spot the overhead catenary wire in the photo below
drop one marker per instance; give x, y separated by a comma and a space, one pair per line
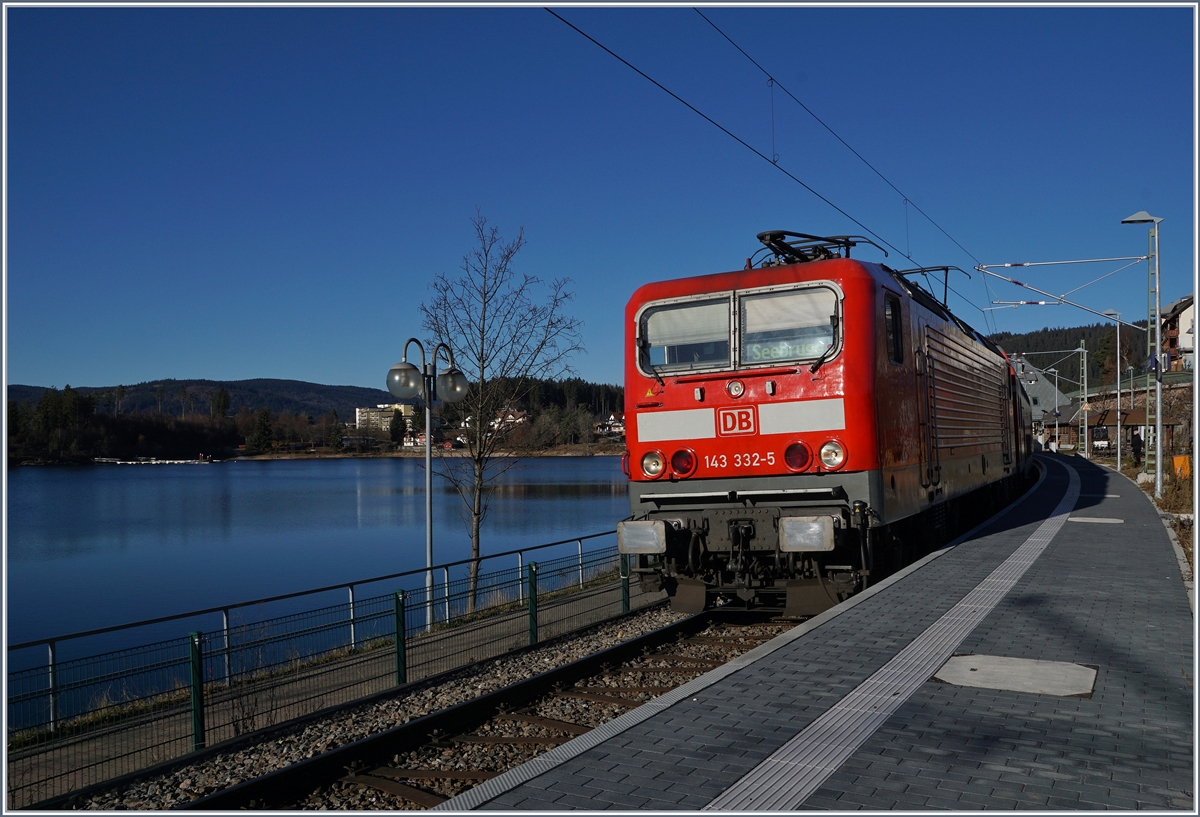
741, 141
1058, 298
875, 170
1102, 277
719, 126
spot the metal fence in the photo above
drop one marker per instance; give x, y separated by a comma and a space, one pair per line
76, 722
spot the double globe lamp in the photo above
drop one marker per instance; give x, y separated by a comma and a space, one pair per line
405, 381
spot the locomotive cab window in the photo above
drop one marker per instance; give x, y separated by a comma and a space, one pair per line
798, 324
893, 327
686, 336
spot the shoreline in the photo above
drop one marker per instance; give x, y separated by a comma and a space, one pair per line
564, 451
569, 451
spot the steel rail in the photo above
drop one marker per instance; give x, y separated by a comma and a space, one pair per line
281, 788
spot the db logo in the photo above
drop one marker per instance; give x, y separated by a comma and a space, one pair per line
732, 422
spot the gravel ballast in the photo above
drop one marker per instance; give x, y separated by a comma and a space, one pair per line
281, 749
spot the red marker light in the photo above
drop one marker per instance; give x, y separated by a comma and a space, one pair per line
797, 457
683, 462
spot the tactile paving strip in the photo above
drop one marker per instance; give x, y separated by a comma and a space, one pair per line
798, 768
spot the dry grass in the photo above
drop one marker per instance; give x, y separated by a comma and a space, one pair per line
1177, 500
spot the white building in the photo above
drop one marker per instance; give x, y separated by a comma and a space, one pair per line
379, 418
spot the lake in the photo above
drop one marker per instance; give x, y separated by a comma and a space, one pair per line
96, 546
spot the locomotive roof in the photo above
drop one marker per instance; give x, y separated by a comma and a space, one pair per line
832, 268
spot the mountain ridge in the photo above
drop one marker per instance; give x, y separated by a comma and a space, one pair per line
276, 394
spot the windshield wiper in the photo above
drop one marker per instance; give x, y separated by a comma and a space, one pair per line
657, 376
828, 353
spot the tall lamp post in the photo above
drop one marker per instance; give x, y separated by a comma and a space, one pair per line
1130, 370
405, 381
1114, 314
1142, 217
1056, 441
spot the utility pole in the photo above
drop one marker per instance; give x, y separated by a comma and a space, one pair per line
1083, 405
1153, 343
1151, 356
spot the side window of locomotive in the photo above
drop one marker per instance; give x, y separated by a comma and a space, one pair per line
782, 326
681, 337
894, 328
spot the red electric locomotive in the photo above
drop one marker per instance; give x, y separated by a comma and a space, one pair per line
801, 424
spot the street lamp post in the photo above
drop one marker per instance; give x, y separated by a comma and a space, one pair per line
1130, 370
1056, 441
1114, 314
1142, 217
405, 382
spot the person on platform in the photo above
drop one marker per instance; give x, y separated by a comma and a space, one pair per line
1137, 449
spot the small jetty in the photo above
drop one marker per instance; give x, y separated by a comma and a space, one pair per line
202, 459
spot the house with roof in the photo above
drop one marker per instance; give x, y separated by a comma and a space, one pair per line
1046, 401
1178, 333
612, 426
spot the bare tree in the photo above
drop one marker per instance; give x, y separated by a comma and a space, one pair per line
507, 330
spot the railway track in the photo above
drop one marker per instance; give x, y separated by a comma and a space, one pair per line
428, 760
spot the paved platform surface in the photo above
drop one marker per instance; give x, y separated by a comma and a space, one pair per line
843, 712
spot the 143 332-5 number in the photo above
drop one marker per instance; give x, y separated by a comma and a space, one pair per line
751, 460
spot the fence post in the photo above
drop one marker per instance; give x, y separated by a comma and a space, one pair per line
353, 636
446, 590
531, 592
579, 542
401, 657
520, 584
197, 661
53, 688
624, 583
225, 631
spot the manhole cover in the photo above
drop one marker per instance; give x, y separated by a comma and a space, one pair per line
1018, 675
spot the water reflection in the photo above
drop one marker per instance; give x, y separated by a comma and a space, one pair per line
92, 547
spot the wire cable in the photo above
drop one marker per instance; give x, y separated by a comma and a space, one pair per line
755, 150
720, 127
1101, 278
836, 136
875, 170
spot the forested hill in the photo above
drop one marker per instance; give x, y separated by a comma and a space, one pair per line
179, 397
189, 397
1051, 348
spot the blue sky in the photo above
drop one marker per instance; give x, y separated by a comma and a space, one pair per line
230, 193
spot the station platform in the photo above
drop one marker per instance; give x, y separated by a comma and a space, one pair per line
1045, 661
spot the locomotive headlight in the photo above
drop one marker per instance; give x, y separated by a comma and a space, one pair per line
832, 454
642, 537
652, 464
736, 388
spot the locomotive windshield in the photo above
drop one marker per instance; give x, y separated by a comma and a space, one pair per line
774, 326
681, 337
785, 326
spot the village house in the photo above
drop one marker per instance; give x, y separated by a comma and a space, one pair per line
613, 426
1178, 333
